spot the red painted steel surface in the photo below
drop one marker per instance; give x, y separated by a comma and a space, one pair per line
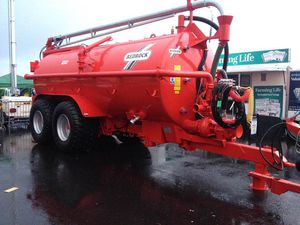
292, 126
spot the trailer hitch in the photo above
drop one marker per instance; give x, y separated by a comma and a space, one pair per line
276, 185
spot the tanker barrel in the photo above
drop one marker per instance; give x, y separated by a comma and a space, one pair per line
148, 17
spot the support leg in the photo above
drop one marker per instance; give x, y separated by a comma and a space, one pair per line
257, 183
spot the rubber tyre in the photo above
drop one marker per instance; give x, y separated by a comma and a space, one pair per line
46, 110
82, 131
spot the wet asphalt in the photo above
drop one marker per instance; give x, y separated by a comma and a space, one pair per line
129, 184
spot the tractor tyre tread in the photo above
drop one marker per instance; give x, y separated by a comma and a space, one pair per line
83, 134
46, 108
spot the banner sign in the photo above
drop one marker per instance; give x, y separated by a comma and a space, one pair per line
294, 92
257, 57
268, 100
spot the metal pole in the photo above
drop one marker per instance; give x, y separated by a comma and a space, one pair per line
115, 30
130, 22
12, 46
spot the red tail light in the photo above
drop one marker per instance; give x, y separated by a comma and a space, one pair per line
12, 110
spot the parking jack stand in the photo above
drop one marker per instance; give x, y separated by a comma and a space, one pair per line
257, 183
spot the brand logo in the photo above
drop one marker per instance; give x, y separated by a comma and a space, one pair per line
133, 57
137, 56
274, 56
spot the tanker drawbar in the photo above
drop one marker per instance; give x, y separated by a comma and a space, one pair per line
159, 89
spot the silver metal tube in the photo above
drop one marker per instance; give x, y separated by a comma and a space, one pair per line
116, 30
134, 120
195, 5
12, 46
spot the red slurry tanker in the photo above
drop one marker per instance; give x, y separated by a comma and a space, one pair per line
159, 89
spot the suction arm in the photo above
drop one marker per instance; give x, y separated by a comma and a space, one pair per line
129, 23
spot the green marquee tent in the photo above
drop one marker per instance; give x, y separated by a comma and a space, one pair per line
21, 82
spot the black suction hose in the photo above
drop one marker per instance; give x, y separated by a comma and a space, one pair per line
223, 73
216, 27
203, 60
215, 63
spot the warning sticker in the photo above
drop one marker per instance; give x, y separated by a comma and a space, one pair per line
177, 80
177, 67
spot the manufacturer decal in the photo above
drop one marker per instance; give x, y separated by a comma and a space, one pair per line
137, 56
174, 51
133, 57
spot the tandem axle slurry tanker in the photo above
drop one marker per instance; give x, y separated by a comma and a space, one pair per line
159, 89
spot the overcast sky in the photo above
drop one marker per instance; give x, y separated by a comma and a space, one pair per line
257, 24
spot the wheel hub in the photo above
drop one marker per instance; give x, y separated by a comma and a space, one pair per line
63, 127
38, 122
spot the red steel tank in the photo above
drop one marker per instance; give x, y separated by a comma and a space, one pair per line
159, 89
121, 93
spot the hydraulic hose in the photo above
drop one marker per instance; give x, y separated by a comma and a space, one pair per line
216, 27
239, 106
223, 73
203, 60
219, 106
